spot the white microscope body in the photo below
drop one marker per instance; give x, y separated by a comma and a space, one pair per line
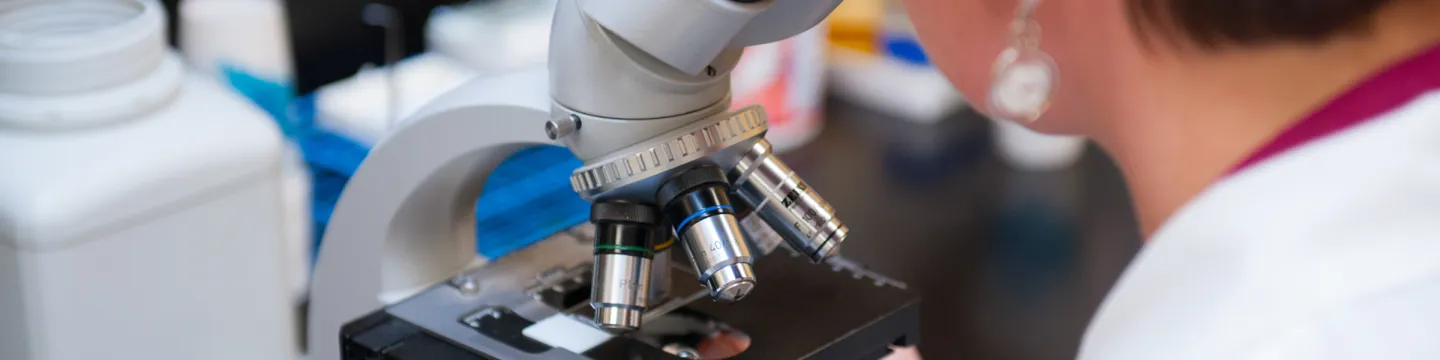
637, 89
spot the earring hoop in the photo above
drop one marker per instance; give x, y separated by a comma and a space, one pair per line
1025, 77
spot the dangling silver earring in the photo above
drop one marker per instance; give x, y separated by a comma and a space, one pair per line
1024, 76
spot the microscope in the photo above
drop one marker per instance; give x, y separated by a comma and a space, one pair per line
638, 90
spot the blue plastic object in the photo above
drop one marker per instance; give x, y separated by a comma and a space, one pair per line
905, 47
527, 198
271, 96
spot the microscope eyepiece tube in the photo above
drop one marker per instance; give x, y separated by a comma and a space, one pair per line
804, 220
695, 202
624, 245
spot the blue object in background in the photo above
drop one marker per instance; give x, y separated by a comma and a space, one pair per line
905, 47
272, 96
527, 198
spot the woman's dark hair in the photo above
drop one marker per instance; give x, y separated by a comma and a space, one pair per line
1213, 24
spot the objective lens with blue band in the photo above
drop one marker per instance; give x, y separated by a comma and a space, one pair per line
717, 209
697, 202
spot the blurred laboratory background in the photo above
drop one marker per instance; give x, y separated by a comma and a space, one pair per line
1009, 238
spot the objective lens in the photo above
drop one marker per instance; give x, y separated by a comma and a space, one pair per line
624, 242
806, 222
704, 221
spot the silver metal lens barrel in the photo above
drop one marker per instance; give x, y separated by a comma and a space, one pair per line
802, 218
624, 244
718, 251
696, 203
621, 290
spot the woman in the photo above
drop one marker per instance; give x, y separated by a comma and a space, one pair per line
1283, 156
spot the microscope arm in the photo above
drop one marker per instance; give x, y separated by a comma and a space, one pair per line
406, 219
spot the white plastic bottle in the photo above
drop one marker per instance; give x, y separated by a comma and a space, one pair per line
139, 202
480, 38
222, 37
249, 35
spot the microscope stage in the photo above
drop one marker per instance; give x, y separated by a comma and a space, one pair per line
799, 310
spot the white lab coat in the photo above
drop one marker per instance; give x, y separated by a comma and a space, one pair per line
1330, 250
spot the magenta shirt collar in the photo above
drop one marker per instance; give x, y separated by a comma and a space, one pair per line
1381, 93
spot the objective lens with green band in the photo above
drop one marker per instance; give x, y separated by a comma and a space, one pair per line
623, 248
625, 234
625, 228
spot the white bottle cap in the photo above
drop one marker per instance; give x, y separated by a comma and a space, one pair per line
82, 62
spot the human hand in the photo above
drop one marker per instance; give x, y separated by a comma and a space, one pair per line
903, 353
724, 345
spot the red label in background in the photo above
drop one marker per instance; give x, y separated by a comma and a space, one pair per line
788, 79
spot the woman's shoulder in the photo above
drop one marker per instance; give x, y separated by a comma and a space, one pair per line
1384, 172
1328, 225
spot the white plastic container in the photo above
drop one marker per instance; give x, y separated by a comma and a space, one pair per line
876, 63
365, 107
787, 77
896, 88
465, 41
253, 37
493, 36
1028, 150
139, 203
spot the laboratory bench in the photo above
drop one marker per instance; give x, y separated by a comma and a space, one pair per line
1008, 264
